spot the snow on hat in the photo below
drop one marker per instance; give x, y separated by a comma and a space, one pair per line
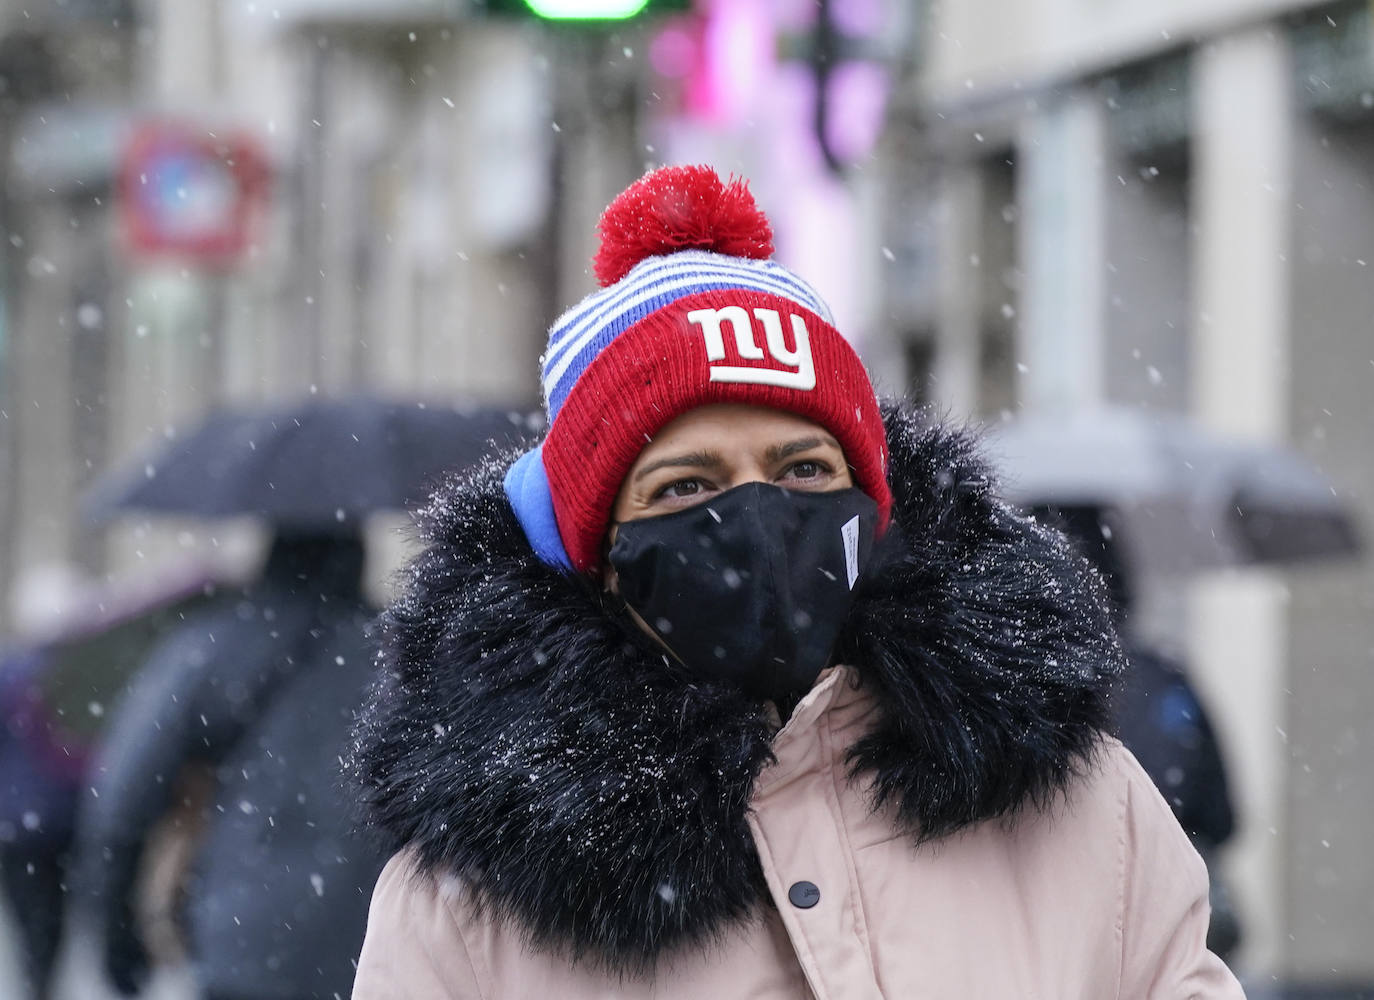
691, 312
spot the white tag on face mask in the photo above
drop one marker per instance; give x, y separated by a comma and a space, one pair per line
850, 534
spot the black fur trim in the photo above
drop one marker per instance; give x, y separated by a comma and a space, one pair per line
526, 737
988, 638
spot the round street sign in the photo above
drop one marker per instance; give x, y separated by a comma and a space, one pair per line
185, 191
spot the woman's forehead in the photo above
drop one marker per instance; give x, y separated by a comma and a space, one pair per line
733, 425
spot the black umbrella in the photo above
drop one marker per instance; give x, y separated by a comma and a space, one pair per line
1185, 499
320, 463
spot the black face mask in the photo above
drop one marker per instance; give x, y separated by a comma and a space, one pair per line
752, 586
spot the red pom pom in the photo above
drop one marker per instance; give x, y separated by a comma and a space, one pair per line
680, 208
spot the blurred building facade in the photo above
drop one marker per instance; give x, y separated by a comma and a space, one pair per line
1068, 202
1169, 205
398, 245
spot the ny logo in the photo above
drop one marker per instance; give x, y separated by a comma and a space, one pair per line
799, 358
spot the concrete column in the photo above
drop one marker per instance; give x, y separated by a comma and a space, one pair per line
186, 69
267, 72
871, 271
1330, 619
1241, 198
480, 313
358, 117
172, 365
1147, 267
1061, 246
418, 177
958, 331
41, 407
599, 153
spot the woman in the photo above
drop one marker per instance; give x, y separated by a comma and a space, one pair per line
736, 687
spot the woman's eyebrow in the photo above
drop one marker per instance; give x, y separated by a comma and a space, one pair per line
778, 452
691, 460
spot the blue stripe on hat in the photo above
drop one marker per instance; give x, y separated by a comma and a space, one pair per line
766, 275
651, 268
627, 308
527, 487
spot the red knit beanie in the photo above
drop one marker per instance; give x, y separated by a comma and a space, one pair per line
691, 312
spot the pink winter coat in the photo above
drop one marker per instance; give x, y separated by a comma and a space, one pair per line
576, 816
1100, 896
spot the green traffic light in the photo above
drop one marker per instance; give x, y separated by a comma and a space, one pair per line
586, 10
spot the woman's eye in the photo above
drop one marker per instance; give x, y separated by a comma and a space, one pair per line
805, 470
681, 488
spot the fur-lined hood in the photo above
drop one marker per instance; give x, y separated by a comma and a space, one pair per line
527, 737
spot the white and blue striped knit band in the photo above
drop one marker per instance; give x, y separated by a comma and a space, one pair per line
584, 331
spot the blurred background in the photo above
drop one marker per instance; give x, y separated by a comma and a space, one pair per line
1016, 209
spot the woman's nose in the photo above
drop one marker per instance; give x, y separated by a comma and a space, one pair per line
748, 475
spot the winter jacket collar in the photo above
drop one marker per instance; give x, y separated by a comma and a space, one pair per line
840, 698
528, 738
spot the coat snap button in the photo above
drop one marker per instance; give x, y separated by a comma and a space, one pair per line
804, 895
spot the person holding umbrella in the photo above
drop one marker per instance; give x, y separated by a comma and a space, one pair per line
740, 685
1149, 495
234, 727
1160, 716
